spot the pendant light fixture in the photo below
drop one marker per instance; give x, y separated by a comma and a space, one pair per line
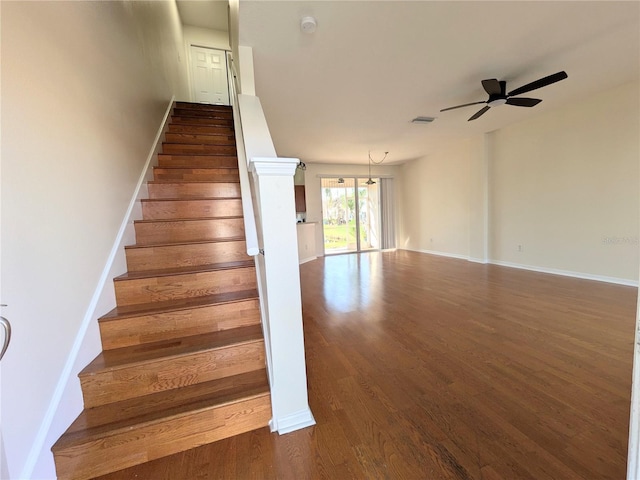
371, 160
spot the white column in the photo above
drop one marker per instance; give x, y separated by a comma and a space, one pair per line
289, 400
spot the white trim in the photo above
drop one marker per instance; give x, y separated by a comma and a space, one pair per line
439, 254
249, 219
90, 314
484, 261
532, 268
568, 273
274, 166
308, 259
292, 422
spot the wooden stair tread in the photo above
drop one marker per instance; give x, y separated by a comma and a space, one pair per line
122, 312
184, 127
170, 220
196, 167
198, 135
201, 106
196, 120
165, 272
110, 419
209, 114
178, 181
125, 357
190, 199
195, 242
195, 154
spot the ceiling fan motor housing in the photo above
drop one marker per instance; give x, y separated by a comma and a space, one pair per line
497, 99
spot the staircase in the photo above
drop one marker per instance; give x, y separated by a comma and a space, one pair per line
183, 360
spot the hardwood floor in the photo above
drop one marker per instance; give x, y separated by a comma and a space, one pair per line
435, 368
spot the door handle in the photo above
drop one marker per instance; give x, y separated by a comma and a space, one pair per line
7, 334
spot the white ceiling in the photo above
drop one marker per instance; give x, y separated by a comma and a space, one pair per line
204, 13
370, 67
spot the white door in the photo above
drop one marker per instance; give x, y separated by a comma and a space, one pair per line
209, 76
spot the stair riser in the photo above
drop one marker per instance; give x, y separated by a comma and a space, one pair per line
170, 287
198, 149
179, 112
171, 372
203, 106
182, 323
198, 177
149, 233
149, 442
195, 172
203, 130
141, 259
205, 161
191, 120
199, 139
179, 209
194, 190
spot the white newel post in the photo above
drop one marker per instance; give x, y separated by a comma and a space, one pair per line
289, 400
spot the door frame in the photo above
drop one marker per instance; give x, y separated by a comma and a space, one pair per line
189, 66
356, 178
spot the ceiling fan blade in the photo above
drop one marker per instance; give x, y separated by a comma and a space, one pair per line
460, 106
492, 86
543, 82
523, 102
479, 113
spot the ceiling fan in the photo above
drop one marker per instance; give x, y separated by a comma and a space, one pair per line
498, 96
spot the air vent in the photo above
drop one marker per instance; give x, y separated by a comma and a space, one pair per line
423, 120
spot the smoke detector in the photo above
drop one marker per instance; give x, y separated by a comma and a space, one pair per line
308, 24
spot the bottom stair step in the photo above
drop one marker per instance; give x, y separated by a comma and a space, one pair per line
119, 435
139, 370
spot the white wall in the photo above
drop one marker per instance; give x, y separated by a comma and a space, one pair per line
85, 86
436, 197
563, 185
315, 171
205, 37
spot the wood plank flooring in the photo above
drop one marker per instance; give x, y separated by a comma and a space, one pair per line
434, 368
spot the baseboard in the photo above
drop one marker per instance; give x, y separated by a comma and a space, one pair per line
103, 295
484, 261
567, 273
292, 422
308, 259
533, 268
439, 254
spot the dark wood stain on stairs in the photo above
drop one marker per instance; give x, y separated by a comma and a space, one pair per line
183, 360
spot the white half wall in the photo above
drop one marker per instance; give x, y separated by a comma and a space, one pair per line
85, 86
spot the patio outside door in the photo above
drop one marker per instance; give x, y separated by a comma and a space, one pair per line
350, 215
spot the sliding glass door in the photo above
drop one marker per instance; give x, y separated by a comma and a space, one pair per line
350, 215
